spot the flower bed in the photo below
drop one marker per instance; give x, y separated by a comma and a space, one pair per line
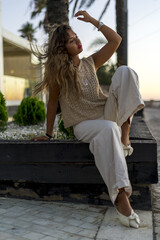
16, 132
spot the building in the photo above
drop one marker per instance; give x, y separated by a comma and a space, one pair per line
19, 68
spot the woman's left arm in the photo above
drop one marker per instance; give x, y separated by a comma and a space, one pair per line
113, 38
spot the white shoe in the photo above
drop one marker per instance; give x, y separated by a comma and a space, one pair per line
130, 221
128, 150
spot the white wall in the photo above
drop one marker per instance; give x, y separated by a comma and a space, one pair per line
1, 54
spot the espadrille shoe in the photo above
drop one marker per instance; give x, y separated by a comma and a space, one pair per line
130, 221
128, 150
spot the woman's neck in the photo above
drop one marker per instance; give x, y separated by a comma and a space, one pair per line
76, 60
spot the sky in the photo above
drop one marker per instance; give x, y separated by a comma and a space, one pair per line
143, 35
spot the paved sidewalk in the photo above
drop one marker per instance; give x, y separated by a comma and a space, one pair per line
152, 117
42, 220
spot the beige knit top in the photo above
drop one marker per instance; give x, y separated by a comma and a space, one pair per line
90, 104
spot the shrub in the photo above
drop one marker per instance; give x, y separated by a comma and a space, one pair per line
3, 111
66, 132
31, 111
105, 73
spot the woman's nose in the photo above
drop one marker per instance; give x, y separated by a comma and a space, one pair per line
78, 41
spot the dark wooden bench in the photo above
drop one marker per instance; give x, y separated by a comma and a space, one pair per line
68, 162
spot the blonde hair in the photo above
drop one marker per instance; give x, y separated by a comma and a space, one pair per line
58, 65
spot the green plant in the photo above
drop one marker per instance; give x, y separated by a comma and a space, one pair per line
30, 112
66, 132
105, 73
3, 111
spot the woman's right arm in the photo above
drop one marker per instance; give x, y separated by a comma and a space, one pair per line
51, 112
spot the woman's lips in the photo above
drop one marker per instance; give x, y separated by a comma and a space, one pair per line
79, 46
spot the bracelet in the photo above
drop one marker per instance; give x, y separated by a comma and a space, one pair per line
100, 24
49, 136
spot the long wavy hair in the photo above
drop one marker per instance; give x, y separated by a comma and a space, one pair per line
58, 65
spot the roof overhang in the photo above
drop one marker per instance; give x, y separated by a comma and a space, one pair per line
14, 45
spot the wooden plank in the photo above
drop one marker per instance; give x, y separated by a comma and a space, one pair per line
73, 173
139, 129
68, 151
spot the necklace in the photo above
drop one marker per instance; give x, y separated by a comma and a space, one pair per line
85, 82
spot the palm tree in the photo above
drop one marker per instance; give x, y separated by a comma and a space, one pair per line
122, 29
27, 31
55, 12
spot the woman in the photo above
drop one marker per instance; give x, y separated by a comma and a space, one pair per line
103, 122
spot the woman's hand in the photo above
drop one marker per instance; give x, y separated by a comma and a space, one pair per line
40, 138
86, 17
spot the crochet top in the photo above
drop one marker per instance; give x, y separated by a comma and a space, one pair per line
90, 105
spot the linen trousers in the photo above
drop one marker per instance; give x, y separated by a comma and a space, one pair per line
104, 134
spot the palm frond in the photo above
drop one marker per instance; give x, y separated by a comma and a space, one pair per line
82, 3
39, 5
90, 3
97, 42
74, 9
33, 14
71, 1
104, 10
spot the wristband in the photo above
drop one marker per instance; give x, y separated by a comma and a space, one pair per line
100, 24
49, 136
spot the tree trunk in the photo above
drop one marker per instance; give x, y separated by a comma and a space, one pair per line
57, 11
121, 21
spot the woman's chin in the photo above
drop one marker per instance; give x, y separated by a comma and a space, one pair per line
80, 50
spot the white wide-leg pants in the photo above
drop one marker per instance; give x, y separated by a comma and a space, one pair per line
104, 134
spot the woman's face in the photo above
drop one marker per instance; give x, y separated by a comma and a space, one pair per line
73, 44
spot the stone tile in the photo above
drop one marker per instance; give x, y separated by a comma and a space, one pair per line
51, 238
75, 222
44, 215
71, 229
22, 224
4, 227
111, 228
34, 236
66, 236
17, 231
59, 219
16, 238
95, 219
41, 229
43, 222
28, 217
84, 238
89, 226
4, 235
46, 230
2, 211
87, 233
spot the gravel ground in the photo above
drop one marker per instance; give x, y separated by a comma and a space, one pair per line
16, 132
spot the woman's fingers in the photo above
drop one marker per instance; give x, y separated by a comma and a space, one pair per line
79, 13
41, 138
86, 17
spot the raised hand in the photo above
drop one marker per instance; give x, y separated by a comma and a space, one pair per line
86, 17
